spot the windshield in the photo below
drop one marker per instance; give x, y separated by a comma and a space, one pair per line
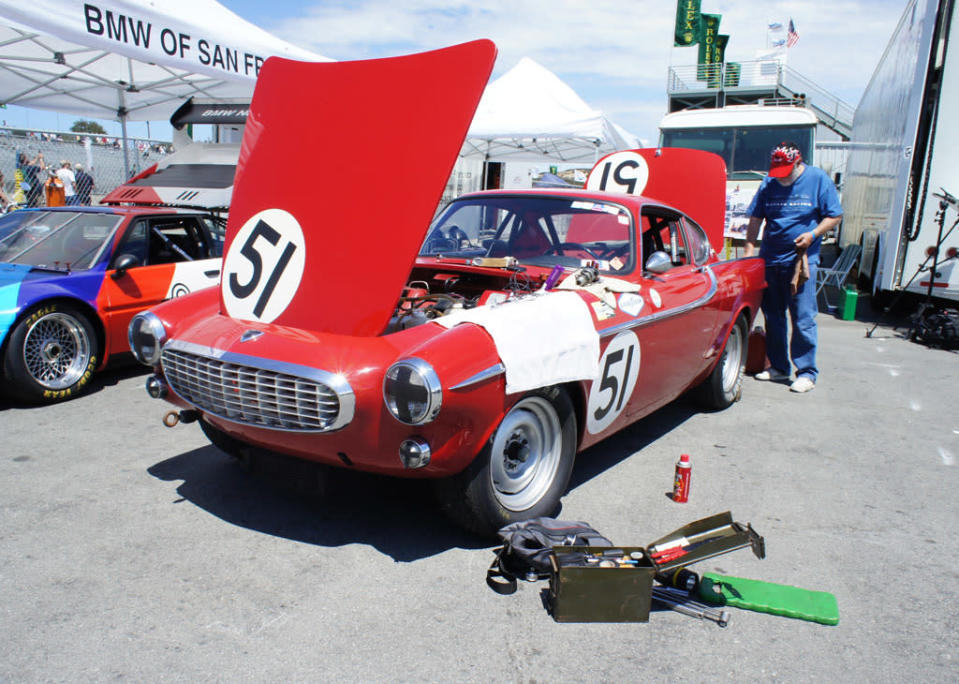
744, 149
543, 231
62, 240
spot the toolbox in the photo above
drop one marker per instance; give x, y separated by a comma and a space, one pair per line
615, 584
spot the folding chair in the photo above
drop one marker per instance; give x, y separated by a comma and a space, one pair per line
836, 274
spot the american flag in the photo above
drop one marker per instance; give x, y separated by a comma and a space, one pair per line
791, 36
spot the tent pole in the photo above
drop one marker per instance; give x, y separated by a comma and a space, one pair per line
122, 115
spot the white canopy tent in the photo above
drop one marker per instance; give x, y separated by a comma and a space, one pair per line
134, 60
530, 114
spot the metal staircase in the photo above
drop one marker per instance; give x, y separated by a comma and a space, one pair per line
765, 82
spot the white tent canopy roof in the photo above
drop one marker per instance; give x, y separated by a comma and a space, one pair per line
129, 59
529, 114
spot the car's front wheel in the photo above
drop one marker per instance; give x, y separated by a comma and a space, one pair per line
51, 354
522, 471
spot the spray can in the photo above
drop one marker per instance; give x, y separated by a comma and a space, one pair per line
681, 481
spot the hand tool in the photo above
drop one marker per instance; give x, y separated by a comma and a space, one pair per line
680, 602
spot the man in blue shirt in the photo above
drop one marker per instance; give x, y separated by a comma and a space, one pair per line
799, 205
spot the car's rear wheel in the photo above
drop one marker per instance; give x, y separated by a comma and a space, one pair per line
51, 354
724, 385
522, 471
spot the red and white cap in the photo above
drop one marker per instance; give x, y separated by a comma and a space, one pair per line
783, 159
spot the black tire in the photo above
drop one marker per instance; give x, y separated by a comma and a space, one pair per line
724, 385
524, 469
51, 354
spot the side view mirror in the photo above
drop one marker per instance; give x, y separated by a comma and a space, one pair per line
122, 264
659, 262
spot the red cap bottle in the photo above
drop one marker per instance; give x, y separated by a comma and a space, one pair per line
681, 481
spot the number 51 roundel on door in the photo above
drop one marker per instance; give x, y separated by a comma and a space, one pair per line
611, 391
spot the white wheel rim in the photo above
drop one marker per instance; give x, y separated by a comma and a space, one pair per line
732, 359
526, 453
56, 351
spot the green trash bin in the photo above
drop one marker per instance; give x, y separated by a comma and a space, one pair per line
847, 304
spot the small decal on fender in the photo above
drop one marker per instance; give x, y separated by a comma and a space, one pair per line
631, 303
655, 298
611, 391
264, 266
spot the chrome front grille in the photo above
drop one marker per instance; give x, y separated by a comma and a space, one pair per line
257, 391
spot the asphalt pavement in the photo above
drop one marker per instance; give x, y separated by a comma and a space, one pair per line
134, 552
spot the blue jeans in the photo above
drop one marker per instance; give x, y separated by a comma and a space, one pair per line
802, 309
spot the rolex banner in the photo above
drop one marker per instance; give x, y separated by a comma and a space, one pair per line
719, 56
687, 22
732, 71
707, 47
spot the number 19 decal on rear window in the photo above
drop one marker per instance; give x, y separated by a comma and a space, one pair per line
263, 268
618, 370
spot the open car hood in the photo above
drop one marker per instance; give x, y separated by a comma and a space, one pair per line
692, 181
340, 171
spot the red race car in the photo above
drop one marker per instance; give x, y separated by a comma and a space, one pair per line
483, 349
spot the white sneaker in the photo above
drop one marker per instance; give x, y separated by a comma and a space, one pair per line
802, 384
772, 374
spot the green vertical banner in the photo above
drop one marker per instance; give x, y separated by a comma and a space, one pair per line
688, 22
716, 65
733, 71
707, 45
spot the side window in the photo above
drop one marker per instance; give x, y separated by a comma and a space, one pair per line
135, 242
672, 236
176, 239
662, 232
699, 247
216, 230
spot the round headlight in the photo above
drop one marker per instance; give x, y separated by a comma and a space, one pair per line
412, 391
146, 335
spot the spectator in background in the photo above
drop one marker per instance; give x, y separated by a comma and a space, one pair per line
84, 185
53, 189
65, 174
4, 200
31, 184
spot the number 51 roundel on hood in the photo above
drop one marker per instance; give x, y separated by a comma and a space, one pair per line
340, 171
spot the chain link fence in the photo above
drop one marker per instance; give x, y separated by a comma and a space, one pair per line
101, 156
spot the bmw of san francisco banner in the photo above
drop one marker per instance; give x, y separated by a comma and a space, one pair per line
707, 45
687, 22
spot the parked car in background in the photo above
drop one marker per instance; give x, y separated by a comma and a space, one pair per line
71, 278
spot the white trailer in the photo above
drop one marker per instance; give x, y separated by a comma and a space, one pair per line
904, 151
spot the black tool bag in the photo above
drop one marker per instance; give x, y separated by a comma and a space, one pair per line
940, 328
527, 546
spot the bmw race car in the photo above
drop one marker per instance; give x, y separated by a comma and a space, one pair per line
71, 278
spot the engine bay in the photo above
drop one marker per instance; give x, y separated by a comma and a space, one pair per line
432, 293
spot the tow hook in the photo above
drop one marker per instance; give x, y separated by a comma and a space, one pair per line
173, 417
